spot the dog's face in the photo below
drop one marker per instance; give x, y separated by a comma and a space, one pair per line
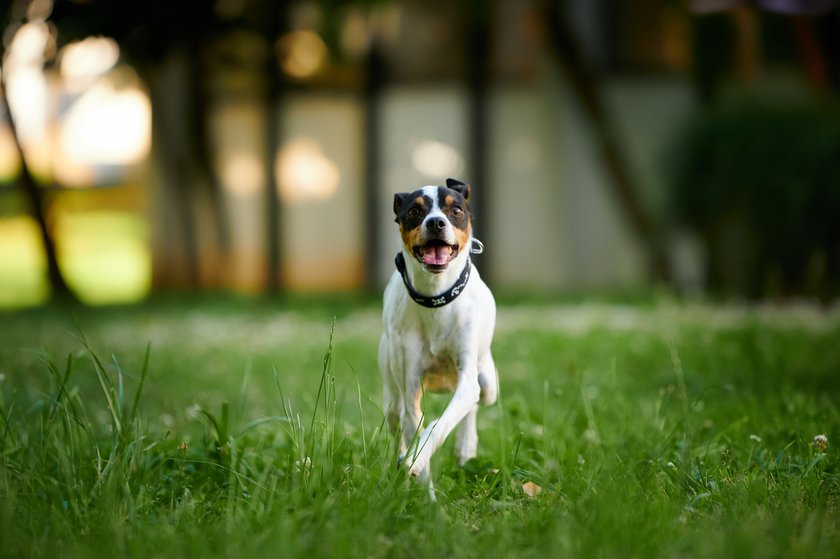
435, 223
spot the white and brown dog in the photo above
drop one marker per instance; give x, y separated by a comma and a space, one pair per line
438, 320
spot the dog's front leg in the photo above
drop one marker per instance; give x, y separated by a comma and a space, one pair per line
412, 414
464, 399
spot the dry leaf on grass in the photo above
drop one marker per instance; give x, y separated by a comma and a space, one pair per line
531, 489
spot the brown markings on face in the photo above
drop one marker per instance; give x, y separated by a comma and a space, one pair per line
456, 208
410, 218
411, 237
462, 236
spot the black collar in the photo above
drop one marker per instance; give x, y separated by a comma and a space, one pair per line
440, 300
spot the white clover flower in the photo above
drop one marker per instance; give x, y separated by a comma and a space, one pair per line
820, 443
194, 411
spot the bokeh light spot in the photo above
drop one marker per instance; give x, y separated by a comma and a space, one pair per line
436, 159
301, 53
304, 172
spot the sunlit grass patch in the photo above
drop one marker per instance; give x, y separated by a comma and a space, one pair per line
23, 266
104, 256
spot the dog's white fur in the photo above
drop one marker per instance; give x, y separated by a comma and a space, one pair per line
436, 349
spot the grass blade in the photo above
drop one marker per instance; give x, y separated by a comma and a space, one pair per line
105, 384
143, 371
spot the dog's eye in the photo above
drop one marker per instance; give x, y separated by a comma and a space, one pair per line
412, 213
456, 211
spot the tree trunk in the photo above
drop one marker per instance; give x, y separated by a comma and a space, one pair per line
373, 180
478, 46
273, 100
586, 89
176, 245
202, 156
34, 196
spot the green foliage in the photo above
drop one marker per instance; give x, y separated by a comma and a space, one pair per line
770, 171
652, 431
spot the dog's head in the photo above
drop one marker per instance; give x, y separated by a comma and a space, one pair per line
435, 223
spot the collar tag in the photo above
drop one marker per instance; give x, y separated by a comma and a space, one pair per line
439, 300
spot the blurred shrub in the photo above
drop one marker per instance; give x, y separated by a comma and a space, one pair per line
761, 185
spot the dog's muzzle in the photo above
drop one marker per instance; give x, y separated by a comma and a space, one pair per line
436, 253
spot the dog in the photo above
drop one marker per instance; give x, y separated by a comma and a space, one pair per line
438, 321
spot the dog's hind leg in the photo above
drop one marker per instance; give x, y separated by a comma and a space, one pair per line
466, 443
466, 440
488, 380
392, 406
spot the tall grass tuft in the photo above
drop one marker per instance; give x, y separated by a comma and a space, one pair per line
97, 468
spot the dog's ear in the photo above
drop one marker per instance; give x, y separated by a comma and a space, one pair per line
399, 199
461, 187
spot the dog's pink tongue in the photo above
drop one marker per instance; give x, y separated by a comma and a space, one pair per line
436, 255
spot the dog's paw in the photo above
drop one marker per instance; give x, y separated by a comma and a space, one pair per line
416, 469
416, 464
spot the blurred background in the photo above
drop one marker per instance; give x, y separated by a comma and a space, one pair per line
254, 146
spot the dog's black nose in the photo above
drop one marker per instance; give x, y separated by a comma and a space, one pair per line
436, 224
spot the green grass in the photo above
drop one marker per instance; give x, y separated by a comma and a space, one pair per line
247, 429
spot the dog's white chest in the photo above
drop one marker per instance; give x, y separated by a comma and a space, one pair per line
435, 339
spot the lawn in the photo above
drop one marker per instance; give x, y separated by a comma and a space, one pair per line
253, 428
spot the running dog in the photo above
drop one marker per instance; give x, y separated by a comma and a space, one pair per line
438, 320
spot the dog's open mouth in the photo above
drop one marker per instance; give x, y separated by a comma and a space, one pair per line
436, 254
